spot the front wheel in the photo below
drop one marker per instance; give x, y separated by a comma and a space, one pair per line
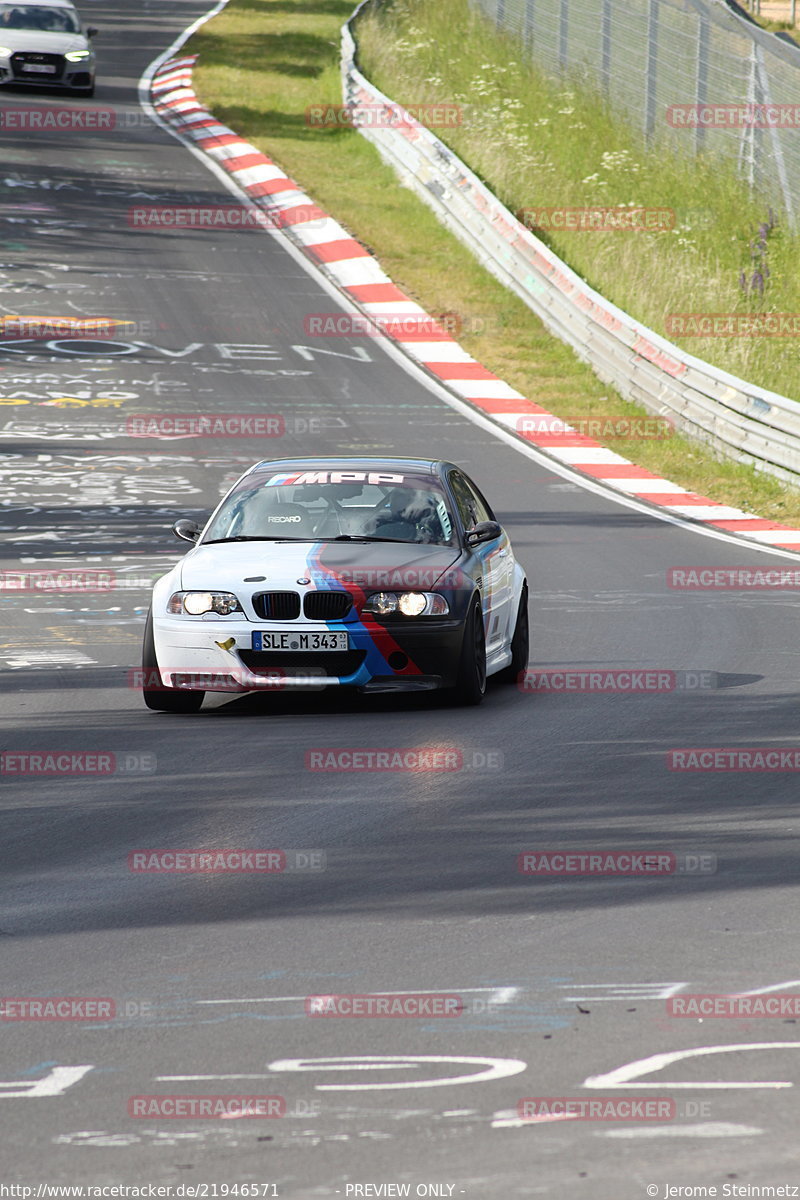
520, 643
159, 697
471, 685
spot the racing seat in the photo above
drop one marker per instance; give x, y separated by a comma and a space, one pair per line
264, 516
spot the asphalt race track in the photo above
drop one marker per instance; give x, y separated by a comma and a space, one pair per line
414, 887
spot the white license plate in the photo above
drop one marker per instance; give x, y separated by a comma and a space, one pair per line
300, 641
40, 68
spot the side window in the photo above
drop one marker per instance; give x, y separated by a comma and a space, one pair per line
484, 512
471, 507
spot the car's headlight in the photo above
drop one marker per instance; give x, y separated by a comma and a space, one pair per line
5, 52
410, 604
197, 603
77, 55
381, 603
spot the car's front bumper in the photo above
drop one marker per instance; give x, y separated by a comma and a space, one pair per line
217, 655
70, 76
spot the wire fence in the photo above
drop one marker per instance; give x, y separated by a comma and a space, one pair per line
690, 73
739, 420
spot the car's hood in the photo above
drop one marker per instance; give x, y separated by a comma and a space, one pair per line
382, 565
37, 41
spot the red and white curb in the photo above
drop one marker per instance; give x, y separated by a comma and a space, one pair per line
359, 275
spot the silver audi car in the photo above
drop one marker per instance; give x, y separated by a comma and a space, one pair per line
44, 44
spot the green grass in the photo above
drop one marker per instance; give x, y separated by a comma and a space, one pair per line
286, 56
538, 141
776, 26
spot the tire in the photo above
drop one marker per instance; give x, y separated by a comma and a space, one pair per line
160, 698
471, 684
520, 643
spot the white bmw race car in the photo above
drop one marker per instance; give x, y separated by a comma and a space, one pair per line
378, 574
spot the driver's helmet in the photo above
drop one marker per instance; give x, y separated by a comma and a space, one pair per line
407, 514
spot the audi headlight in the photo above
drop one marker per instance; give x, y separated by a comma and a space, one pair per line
77, 55
198, 603
410, 604
5, 52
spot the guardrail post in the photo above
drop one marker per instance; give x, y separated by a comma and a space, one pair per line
652, 69
774, 136
528, 30
746, 157
605, 44
701, 93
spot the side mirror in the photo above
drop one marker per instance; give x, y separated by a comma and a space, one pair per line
92, 32
484, 531
187, 531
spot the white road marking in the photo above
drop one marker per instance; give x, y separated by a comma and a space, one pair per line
198, 1078
622, 991
17, 659
773, 987
508, 1119
621, 1077
53, 1084
710, 1129
496, 1068
498, 995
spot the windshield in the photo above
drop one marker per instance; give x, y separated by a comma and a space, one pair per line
320, 505
36, 16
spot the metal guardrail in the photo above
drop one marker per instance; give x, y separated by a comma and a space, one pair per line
736, 419
648, 55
